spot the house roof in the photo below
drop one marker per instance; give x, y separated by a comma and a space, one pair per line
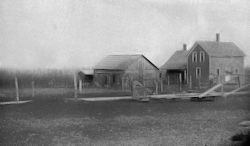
119, 62
220, 49
177, 61
87, 71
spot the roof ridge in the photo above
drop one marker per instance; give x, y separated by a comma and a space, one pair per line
214, 41
125, 55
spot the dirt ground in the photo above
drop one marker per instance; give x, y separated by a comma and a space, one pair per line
51, 120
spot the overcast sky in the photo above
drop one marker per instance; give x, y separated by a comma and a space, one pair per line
79, 33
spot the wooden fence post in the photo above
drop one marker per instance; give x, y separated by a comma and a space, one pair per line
80, 85
180, 81
122, 84
132, 86
33, 88
156, 87
17, 89
75, 86
168, 82
161, 85
190, 82
222, 87
185, 76
239, 81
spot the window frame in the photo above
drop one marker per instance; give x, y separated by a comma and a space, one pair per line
238, 70
202, 54
198, 74
194, 57
218, 69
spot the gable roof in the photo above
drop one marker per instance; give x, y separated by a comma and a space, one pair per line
177, 61
220, 49
119, 62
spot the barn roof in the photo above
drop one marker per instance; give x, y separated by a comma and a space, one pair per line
220, 49
177, 61
119, 62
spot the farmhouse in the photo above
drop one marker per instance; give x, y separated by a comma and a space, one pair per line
208, 60
119, 70
205, 61
176, 66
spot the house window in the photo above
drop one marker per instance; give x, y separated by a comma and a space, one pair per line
218, 71
198, 72
194, 57
202, 56
236, 70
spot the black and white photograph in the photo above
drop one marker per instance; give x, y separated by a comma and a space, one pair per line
124, 72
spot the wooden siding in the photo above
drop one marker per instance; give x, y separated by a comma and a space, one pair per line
142, 68
138, 70
225, 63
203, 65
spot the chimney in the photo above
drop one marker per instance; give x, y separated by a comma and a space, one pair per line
217, 37
184, 47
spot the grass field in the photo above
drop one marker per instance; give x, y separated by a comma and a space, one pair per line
51, 120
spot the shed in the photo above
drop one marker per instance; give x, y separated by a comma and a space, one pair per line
118, 70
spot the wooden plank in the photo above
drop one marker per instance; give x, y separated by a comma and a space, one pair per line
210, 90
17, 90
168, 82
162, 85
190, 82
161, 96
80, 85
213, 88
33, 88
180, 81
156, 87
75, 86
231, 92
14, 102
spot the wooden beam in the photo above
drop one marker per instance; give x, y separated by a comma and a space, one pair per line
123, 84
210, 90
215, 87
80, 85
180, 81
185, 75
33, 88
17, 90
161, 84
156, 87
190, 82
75, 86
231, 92
168, 82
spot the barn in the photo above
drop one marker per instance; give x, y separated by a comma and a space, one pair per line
208, 60
175, 66
119, 70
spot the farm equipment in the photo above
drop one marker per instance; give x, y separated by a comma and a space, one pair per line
140, 92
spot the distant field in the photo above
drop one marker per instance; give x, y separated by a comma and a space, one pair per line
54, 121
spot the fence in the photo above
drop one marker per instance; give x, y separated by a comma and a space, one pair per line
51, 82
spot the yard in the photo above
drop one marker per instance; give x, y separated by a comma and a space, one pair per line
52, 120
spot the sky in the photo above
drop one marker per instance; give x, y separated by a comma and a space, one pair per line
79, 33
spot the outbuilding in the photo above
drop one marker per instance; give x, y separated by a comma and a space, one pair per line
119, 70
